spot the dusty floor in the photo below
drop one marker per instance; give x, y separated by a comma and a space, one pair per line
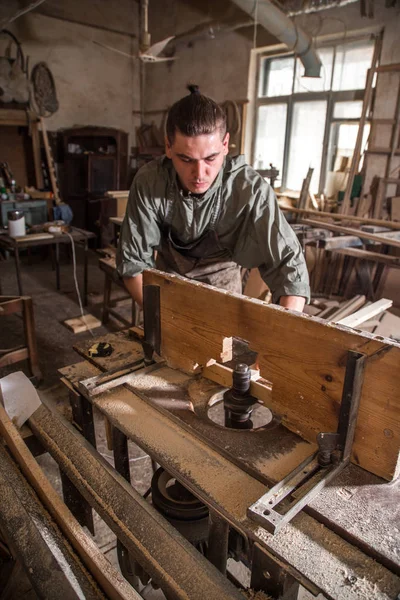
55, 344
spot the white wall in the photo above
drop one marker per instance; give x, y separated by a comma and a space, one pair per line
94, 86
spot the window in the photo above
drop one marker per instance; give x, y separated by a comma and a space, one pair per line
307, 122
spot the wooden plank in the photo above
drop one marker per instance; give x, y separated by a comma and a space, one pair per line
31, 237
111, 581
83, 323
37, 161
387, 259
347, 308
340, 217
376, 308
388, 68
303, 357
339, 241
305, 188
381, 239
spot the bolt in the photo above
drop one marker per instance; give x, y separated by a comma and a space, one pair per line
267, 574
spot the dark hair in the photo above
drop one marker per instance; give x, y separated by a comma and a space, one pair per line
195, 114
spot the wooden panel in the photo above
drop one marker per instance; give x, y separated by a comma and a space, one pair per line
303, 357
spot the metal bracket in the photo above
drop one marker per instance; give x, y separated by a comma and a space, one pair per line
313, 474
151, 322
93, 386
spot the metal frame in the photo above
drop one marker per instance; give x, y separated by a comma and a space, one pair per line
323, 466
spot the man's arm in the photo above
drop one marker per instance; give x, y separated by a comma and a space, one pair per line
293, 302
134, 285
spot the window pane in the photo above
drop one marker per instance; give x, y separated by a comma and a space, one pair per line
351, 65
306, 141
270, 140
278, 77
315, 84
347, 110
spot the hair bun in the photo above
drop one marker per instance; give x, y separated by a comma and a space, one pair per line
193, 89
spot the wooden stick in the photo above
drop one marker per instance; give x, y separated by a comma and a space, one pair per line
318, 213
381, 239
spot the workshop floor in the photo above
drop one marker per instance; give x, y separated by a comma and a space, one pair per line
55, 347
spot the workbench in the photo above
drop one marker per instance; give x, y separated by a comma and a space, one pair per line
159, 388
345, 544
80, 238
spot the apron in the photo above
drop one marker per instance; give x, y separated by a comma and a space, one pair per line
204, 260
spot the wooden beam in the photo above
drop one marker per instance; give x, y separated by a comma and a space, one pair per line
303, 357
340, 217
381, 239
110, 580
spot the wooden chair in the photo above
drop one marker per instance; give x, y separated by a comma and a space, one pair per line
14, 304
108, 266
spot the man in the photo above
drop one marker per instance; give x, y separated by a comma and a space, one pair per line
206, 214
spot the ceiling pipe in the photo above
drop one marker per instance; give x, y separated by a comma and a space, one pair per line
278, 23
316, 6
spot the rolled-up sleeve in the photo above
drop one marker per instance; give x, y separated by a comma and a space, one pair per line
271, 245
140, 231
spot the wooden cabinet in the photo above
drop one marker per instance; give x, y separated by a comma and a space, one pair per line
95, 161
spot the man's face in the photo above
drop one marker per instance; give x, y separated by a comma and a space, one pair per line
198, 159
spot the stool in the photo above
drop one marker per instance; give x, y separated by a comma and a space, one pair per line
111, 276
14, 304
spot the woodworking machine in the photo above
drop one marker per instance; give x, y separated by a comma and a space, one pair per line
272, 436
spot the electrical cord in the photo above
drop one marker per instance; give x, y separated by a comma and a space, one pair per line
76, 282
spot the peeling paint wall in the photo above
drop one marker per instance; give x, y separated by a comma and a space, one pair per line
94, 85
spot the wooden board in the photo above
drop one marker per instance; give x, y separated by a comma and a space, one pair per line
85, 323
303, 357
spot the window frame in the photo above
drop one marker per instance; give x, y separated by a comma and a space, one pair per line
330, 96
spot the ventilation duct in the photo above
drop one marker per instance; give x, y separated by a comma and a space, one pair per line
276, 22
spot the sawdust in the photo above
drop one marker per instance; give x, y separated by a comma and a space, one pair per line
163, 379
336, 566
227, 485
285, 462
253, 595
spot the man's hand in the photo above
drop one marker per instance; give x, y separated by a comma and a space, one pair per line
134, 285
293, 302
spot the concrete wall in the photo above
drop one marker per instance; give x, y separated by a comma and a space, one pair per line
94, 86
219, 66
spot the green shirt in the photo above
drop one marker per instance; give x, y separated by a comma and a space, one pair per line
250, 225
